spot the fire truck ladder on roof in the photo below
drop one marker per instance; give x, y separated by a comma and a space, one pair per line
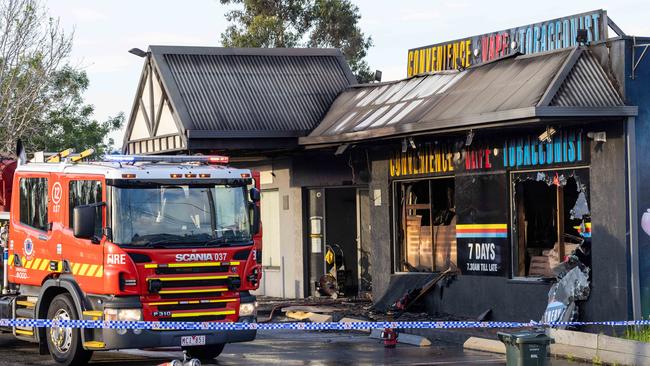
175, 159
44, 157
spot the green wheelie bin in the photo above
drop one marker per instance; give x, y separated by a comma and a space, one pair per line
526, 348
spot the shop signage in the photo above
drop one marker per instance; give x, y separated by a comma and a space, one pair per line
565, 147
479, 158
481, 227
480, 247
427, 159
562, 148
539, 37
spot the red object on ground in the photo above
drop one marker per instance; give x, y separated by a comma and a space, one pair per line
390, 337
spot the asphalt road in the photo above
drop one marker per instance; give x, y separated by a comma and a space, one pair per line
285, 348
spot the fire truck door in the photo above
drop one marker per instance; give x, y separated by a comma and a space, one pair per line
32, 217
84, 257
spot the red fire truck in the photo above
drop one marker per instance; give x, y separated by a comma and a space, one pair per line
130, 238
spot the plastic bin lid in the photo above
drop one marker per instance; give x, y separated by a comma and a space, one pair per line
525, 336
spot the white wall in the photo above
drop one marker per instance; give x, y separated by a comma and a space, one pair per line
270, 207
284, 278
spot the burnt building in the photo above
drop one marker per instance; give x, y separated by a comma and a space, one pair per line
499, 155
500, 169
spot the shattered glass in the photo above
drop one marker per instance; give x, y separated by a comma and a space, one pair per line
572, 286
581, 207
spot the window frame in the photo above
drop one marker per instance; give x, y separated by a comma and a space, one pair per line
69, 209
48, 214
395, 222
113, 213
514, 240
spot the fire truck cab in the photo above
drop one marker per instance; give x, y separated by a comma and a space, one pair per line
131, 238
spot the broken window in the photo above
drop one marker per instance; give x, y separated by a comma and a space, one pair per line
551, 219
426, 232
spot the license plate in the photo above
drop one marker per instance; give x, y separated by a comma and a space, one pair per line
198, 340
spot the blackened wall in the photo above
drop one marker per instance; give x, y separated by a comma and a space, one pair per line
380, 231
324, 169
521, 299
511, 300
609, 297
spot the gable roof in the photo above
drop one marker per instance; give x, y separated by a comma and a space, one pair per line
569, 81
188, 93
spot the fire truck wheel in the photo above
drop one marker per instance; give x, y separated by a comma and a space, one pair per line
65, 343
205, 353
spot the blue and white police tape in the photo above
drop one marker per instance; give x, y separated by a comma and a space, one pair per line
167, 325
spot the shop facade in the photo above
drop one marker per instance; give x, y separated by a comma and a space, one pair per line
505, 211
500, 170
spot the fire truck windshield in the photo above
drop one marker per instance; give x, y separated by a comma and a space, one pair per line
179, 215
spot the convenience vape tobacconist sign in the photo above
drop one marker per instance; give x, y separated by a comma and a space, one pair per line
481, 183
539, 37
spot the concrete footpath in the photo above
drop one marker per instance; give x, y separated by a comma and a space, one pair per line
596, 348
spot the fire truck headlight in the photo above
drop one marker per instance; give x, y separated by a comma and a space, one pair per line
247, 309
126, 315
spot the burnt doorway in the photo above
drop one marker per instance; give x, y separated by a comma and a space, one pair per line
341, 234
333, 238
363, 238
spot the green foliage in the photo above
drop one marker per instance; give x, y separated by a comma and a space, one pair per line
300, 23
638, 333
41, 97
69, 123
33, 47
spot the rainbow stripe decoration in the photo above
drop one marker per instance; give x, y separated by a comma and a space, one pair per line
584, 230
482, 231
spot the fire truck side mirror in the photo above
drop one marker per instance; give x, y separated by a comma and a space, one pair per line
83, 220
254, 194
255, 218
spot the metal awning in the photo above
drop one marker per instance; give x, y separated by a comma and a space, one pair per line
566, 83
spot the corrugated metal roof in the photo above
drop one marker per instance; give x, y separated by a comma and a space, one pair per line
587, 85
276, 90
440, 100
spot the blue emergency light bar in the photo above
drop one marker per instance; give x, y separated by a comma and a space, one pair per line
207, 159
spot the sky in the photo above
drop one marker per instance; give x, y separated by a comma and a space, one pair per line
105, 30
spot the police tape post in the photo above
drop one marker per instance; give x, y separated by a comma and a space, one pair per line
157, 325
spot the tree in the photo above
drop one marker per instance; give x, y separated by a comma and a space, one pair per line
40, 94
300, 23
32, 48
68, 122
